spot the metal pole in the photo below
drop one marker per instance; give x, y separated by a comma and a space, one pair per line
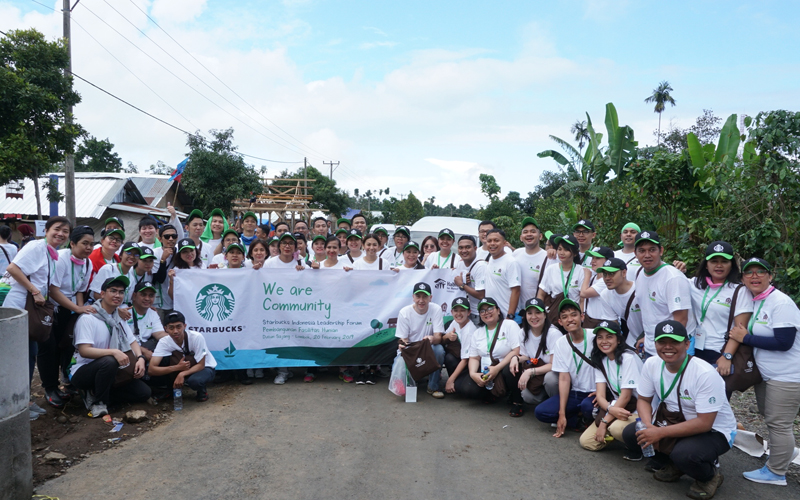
69, 161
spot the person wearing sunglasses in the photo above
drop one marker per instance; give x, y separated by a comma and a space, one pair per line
168, 236
772, 332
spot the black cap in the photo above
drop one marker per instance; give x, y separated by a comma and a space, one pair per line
299, 236
354, 233
650, 236
146, 253
719, 249
755, 261
584, 223
460, 302
487, 301
447, 232
411, 244
404, 230
79, 232
613, 265
602, 252
422, 287
671, 329
287, 234
175, 317
131, 245
185, 243
144, 285
534, 302
568, 239
609, 326
116, 280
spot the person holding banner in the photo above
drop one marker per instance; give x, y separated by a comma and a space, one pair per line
257, 254
332, 261
318, 254
471, 274
287, 246
422, 320
401, 237
370, 260
354, 252
234, 255
458, 340
410, 258
341, 234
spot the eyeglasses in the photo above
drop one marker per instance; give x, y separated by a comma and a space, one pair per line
582, 231
486, 311
113, 239
116, 291
171, 236
288, 243
756, 272
132, 252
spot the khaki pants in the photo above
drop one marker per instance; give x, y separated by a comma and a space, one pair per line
779, 403
615, 429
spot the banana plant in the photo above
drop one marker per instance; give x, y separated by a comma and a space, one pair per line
724, 152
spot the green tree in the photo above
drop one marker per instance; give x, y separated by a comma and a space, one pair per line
326, 195
95, 155
409, 210
216, 174
161, 168
661, 97
34, 97
489, 186
581, 133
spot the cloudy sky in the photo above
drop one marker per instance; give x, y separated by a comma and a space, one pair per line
415, 95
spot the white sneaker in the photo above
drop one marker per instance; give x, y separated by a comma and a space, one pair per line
259, 373
98, 410
250, 373
34, 415
283, 376
33, 407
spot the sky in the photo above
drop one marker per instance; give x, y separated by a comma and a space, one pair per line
416, 95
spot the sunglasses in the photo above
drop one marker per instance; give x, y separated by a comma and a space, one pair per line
170, 236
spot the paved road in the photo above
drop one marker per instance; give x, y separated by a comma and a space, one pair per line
334, 440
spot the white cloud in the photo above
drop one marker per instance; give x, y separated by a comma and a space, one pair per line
177, 11
372, 45
377, 31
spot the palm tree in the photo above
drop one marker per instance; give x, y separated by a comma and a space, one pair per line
581, 133
661, 97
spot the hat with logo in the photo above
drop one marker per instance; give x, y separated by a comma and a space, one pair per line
380, 229
120, 280
609, 326
535, 303
227, 232
236, 245
194, 214
143, 285
131, 245
719, 249
671, 329
147, 253
354, 233
602, 252
422, 287
175, 317
343, 221
402, 230
411, 244
319, 237
629, 225
186, 243
568, 239
529, 220
487, 301
447, 232
650, 236
275, 239
613, 265
585, 223
285, 235
249, 214
119, 232
755, 261
116, 220
460, 302
568, 303
341, 230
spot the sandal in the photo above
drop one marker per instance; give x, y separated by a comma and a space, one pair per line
516, 410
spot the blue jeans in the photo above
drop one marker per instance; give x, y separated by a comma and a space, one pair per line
197, 381
435, 377
547, 411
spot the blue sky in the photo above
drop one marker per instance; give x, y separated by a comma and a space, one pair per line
422, 96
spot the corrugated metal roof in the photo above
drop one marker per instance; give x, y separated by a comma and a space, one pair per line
153, 188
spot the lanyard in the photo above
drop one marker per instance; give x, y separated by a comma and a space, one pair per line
575, 359
674, 381
80, 275
663, 264
488, 342
754, 317
608, 370
705, 305
565, 286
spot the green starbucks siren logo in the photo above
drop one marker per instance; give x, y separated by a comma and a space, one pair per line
215, 302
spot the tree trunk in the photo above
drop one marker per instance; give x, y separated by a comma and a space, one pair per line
35, 179
658, 142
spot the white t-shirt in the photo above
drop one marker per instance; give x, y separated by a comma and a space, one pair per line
702, 391
628, 258
501, 276
414, 326
112, 271
710, 333
404, 268
616, 305
477, 280
449, 262
362, 265
277, 263
529, 348
149, 324
659, 296
197, 345
464, 336
594, 307
507, 340
94, 332
394, 257
340, 264
34, 261
624, 376
206, 252
566, 361
481, 254
554, 279
530, 268
777, 311
586, 260
73, 278
163, 300
11, 250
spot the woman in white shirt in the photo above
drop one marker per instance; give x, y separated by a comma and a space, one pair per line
229, 237
537, 339
456, 358
487, 363
7, 250
257, 254
332, 247
565, 280
370, 260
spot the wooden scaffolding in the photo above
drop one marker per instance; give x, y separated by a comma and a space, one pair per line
288, 198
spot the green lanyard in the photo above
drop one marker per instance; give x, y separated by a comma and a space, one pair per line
575, 359
705, 305
664, 264
674, 381
80, 275
754, 317
565, 286
488, 343
608, 370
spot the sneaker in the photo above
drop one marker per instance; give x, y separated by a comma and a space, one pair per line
309, 377
633, 456
361, 379
282, 377
436, 393
346, 376
34, 415
70, 391
384, 372
668, 474
87, 397
705, 490
201, 397
371, 377
250, 373
53, 398
36, 408
765, 476
98, 410
653, 466
259, 373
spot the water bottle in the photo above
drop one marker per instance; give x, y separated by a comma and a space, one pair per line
177, 399
489, 385
648, 450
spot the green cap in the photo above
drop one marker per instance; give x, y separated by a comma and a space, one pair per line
234, 245
227, 232
343, 220
609, 326
318, 237
529, 220
287, 234
411, 244
341, 230
194, 214
118, 232
487, 301
115, 279
567, 303
548, 234
380, 229
249, 214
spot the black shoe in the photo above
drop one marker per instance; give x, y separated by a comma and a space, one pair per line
161, 396
70, 391
633, 456
54, 399
201, 397
371, 377
245, 380
653, 466
361, 379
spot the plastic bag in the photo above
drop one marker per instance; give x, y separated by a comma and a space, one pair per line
397, 380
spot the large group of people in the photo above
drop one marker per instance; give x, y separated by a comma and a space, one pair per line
616, 345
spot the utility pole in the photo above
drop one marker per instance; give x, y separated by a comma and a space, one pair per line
305, 175
69, 161
331, 164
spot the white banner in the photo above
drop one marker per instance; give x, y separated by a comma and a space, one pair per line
273, 318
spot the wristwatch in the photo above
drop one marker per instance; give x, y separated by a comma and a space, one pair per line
510, 316
727, 356
461, 287
141, 356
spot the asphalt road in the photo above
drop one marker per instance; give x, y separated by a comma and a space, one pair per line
334, 440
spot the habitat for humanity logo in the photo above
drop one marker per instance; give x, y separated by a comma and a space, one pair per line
215, 302
440, 283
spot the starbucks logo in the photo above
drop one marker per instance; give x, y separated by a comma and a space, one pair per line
215, 302
667, 328
607, 263
712, 400
645, 234
718, 248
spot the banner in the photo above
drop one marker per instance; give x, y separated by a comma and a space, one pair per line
275, 318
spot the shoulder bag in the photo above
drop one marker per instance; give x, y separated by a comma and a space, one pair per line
40, 316
420, 359
744, 373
